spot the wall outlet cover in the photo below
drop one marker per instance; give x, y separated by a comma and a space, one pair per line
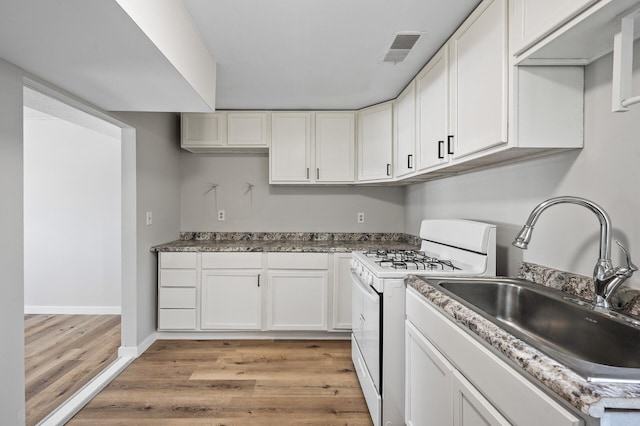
361, 217
220, 215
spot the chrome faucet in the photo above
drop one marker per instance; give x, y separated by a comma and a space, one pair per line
606, 278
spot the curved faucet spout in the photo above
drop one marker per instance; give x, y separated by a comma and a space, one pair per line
606, 278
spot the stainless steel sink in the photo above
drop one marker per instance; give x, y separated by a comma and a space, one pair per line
598, 345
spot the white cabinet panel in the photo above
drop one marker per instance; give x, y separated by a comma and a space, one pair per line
428, 376
248, 129
177, 319
432, 105
479, 80
232, 260
290, 156
298, 260
405, 130
178, 260
231, 299
375, 142
297, 300
470, 408
531, 20
335, 147
177, 277
341, 283
177, 298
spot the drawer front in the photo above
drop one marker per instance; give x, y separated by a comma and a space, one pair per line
177, 319
298, 260
178, 260
177, 298
177, 278
231, 260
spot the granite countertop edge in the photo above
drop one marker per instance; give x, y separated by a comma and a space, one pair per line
291, 242
588, 397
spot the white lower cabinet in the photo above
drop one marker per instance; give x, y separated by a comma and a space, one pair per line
231, 290
452, 379
177, 295
297, 300
427, 382
231, 300
341, 292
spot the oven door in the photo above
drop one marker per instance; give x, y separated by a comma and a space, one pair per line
366, 326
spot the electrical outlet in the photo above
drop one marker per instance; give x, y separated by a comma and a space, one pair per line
221, 215
149, 218
361, 217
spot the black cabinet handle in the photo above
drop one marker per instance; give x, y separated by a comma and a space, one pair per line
450, 144
318, 173
258, 280
440, 146
307, 173
409, 161
388, 169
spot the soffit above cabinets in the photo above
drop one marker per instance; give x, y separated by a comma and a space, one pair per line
284, 54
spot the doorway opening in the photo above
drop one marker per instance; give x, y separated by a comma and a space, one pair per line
77, 206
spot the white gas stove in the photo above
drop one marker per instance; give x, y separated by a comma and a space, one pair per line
449, 248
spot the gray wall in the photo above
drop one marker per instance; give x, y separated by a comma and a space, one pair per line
11, 249
277, 208
157, 188
566, 236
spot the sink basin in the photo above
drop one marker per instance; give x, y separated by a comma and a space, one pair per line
599, 346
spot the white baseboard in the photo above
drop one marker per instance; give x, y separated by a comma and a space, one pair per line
253, 335
72, 310
136, 351
78, 400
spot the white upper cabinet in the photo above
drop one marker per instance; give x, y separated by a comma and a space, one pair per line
375, 142
432, 112
335, 141
290, 156
479, 80
309, 147
248, 129
531, 20
225, 132
405, 131
201, 132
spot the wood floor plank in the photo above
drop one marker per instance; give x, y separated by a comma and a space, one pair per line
233, 383
62, 354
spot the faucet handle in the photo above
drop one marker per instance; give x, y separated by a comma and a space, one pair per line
631, 268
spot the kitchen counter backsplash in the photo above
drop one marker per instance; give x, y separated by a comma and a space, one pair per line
625, 299
320, 242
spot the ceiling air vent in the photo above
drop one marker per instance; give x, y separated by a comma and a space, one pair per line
401, 46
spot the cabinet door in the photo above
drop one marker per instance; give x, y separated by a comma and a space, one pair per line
470, 408
375, 142
202, 130
432, 108
428, 385
290, 155
479, 78
341, 304
531, 20
231, 300
405, 127
335, 147
248, 129
297, 300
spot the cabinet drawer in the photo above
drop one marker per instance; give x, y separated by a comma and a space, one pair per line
177, 319
177, 277
178, 260
298, 260
177, 298
231, 260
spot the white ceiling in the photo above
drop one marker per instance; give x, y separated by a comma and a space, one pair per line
270, 54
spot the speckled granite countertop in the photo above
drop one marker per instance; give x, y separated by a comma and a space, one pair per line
590, 398
303, 242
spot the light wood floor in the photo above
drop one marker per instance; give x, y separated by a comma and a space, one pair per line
178, 382
62, 353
